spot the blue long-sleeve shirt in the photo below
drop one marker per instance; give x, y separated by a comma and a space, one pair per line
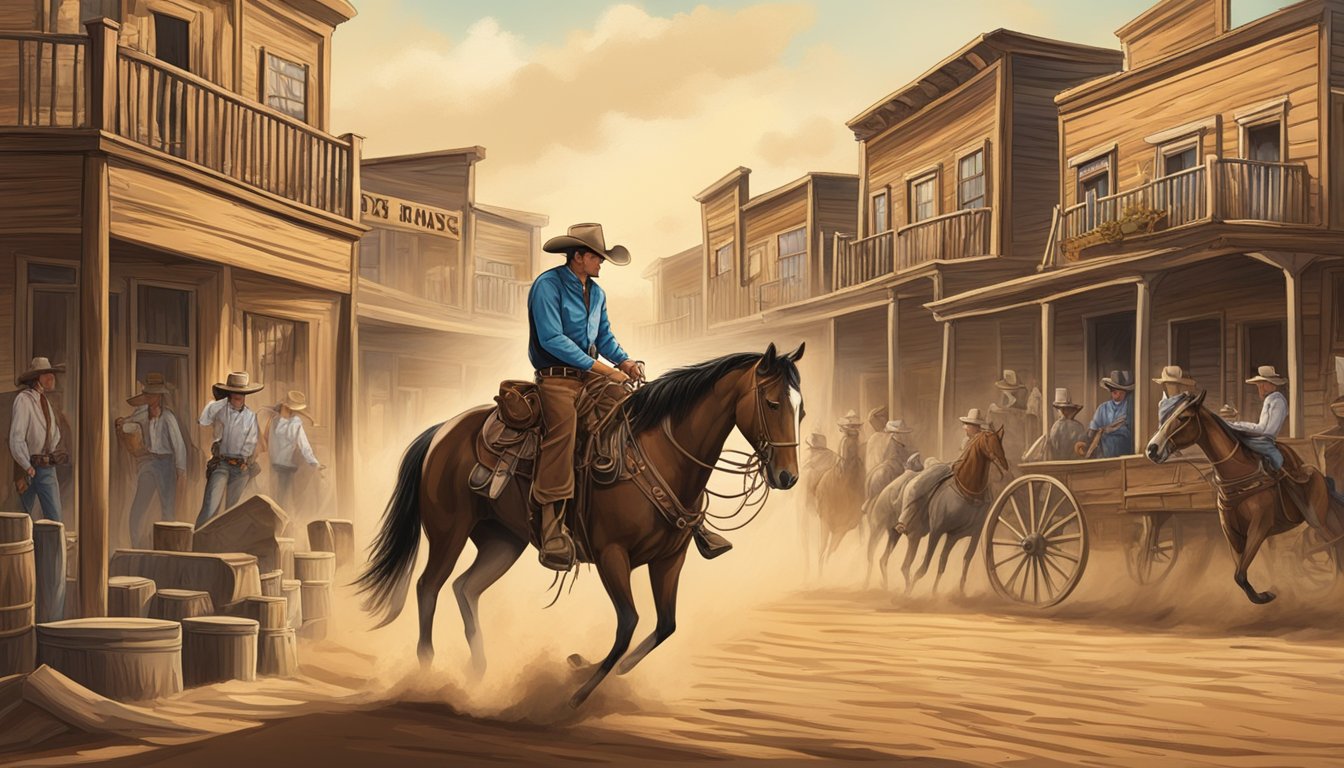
562, 330
1121, 441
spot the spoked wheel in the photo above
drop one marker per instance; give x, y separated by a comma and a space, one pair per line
1152, 553
1035, 542
1318, 565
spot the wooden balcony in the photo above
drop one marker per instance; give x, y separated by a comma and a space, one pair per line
1223, 189
792, 285
728, 298
173, 113
500, 295
672, 330
952, 236
858, 261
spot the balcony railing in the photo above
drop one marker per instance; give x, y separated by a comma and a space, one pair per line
728, 298
72, 81
959, 235
1220, 190
791, 285
672, 330
500, 295
858, 261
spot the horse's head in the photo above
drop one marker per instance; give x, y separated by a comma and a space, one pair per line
991, 445
769, 410
1180, 428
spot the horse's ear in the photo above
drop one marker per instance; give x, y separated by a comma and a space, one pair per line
797, 354
768, 360
1199, 401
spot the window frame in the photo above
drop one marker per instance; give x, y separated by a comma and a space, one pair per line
932, 174
757, 253
982, 148
716, 264
1083, 178
1221, 319
245, 312
884, 195
1259, 116
263, 78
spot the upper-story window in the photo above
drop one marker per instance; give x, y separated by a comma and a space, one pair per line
755, 257
172, 41
971, 181
924, 197
1094, 178
881, 219
723, 258
286, 86
1264, 142
792, 253
1179, 157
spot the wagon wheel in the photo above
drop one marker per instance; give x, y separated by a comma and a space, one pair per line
1152, 554
1318, 564
1035, 541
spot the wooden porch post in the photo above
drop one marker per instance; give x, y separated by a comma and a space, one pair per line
1047, 364
92, 466
1142, 323
1292, 280
893, 352
944, 392
347, 396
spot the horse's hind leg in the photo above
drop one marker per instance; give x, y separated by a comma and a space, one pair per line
970, 554
613, 566
1257, 532
934, 539
952, 540
496, 551
911, 549
892, 538
445, 546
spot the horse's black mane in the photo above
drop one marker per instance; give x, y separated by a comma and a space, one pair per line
673, 393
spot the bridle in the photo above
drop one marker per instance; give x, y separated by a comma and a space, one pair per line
764, 445
1199, 423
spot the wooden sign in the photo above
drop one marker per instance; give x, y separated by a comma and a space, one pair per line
395, 212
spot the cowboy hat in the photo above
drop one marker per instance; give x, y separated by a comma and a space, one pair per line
1267, 373
1174, 374
879, 413
915, 462
154, 385
850, 419
237, 383
589, 237
1009, 381
39, 366
296, 402
816, 440
1063, 400
897, 427
974, 416
1121, 380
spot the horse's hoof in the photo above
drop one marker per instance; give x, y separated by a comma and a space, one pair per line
576, 661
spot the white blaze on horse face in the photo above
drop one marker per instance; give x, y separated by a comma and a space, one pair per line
796, 400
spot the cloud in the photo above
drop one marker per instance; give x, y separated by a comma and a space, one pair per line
812, 139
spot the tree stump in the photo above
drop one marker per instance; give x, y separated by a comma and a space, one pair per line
277, 653
49, 557
315, 566
271, 584
18, 591
129, 596
121, 658
293, 592
180, 604
173, 537
218, 648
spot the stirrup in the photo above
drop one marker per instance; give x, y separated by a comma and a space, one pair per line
708, 543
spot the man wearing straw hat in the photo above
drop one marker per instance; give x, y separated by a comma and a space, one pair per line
1174, 384
1067, 431
1111, 432
235, 432
163, 465
35, 440
1261, 436
934, 472
1021, 427
287, 442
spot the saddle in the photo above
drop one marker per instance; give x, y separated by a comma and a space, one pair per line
1292, 482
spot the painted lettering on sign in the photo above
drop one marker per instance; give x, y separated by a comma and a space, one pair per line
404, 214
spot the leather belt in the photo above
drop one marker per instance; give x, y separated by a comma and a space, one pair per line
562, 371
42, 460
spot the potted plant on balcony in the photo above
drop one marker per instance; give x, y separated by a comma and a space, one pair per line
1135, 220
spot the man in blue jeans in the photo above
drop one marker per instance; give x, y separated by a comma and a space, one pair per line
35, 440
163, 466
235, 427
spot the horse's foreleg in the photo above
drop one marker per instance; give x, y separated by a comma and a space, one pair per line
892, 538
444, 549
934, 539
1262, 519
496, 552
911, 549
952, 540
664, 575
966, 563
613, 566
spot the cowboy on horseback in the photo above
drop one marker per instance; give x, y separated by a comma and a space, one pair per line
568, 330
1261, 437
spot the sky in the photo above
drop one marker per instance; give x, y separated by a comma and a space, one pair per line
592, 110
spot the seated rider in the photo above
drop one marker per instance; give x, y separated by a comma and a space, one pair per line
568, 328
1261, 436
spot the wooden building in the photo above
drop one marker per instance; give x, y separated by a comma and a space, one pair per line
1196, 221
441, 295
677, 330
171, 202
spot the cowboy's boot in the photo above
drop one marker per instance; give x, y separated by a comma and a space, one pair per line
557, 549
709, 543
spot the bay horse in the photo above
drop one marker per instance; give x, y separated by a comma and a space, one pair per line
680, 421
840, 497
1251, 505
955, 509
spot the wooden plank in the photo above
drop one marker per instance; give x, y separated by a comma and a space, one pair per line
50, 187
1172, 27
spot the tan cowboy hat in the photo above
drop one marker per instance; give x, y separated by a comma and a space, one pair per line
897, 427
154, 385
915, 462
1268, 374
1174, 374
1064, 401
879, 412
850, 419
39, 366
588, 236
974, 416
1009, 381
1121, 380
295, 401
237, 383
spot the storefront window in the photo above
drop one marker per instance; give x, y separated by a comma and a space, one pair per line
276, 353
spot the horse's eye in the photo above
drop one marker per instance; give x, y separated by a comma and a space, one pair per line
774, 404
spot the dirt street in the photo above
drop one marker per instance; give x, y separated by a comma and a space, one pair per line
857, 676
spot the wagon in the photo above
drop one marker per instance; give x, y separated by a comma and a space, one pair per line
1042, 527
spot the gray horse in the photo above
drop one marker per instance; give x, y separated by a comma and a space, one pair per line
882, 513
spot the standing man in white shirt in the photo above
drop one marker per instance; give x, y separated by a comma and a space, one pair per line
287, 442
235, 428
35, 440
164, 464
1262, 435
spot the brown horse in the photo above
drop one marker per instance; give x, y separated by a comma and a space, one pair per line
680, 421
840, 497
1251, 505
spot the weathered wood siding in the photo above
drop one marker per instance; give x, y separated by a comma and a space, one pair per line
1322, 314
440, 181
213, 30
274, 28
1287, 65
765, 223
1071, 342
21, 15
919, 370
42, 194
934, 139
721, 222
1179, 25
835, 204
507, 242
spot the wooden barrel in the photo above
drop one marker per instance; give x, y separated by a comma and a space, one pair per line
277, 653
313, 629
18, 587
293, 592
320, 538
179, 604
71, 597
271, 584
121, 658
315, 566
268, 612
173, 537
316, 599
286, 547
218, 648
129, 596
49, 561
71, 561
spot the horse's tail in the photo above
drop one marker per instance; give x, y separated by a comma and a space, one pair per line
387, 577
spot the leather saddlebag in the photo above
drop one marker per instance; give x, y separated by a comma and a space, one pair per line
519, 404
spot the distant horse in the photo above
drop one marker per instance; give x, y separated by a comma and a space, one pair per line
956, 507
840, 497
882, 513
819, 461
679, 421
1251, 503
